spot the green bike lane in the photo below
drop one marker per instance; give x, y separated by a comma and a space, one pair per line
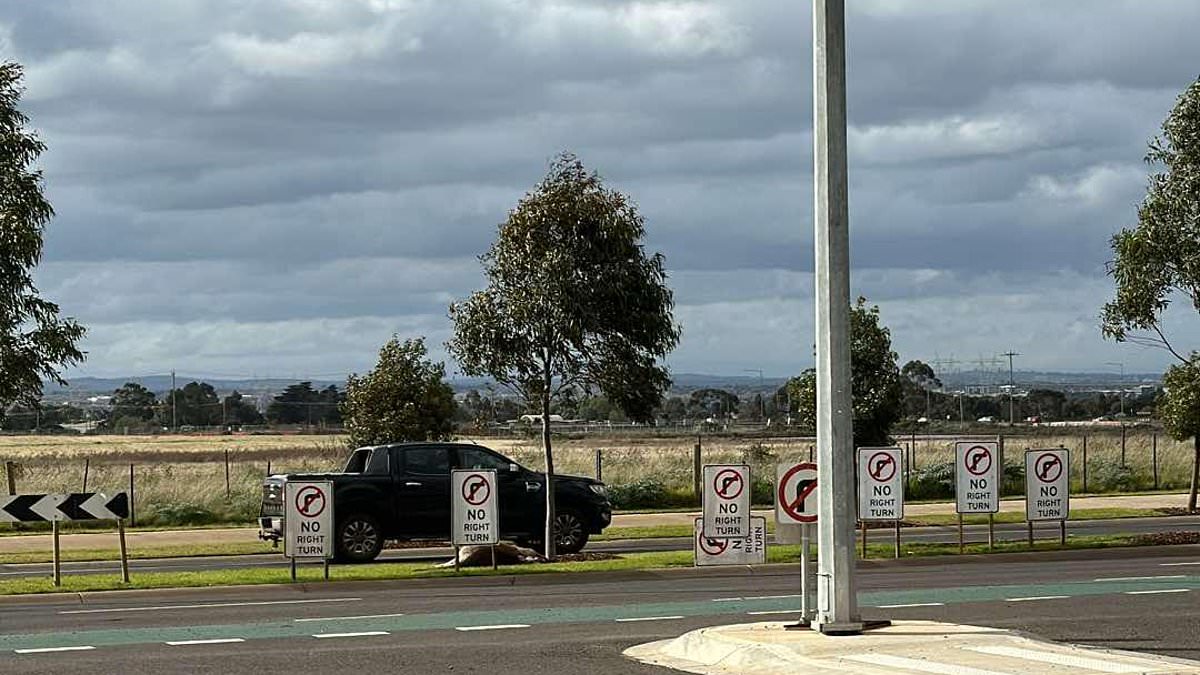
759, 606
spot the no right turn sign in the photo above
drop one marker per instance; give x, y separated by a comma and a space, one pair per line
977, 477
880, 484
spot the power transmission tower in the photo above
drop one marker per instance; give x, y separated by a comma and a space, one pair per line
1011, 390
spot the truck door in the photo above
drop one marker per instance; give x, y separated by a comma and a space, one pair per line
423, 492
518, 503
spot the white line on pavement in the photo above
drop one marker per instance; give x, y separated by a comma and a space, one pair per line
727, 599
44, 650
1161, 590
913, 604
1037, 597
215, 641
919, 665
206, 605
1069, 660
348, 618
366, 633
649, 618
499, 626
1178, 564
1162, 576
774, 611
756, 597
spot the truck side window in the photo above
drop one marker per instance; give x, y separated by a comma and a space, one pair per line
378, 464
357, 461
430, 461
472, 458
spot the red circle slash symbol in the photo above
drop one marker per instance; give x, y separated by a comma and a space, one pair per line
1048, 467
882, 466
728, 484
310, 501
712, 546
978, 460
804, 487
476, 489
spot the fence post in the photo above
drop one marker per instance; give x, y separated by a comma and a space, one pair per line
87, 461
697, 469
1154, 457
132, 519
599, 465
1085, 463
227, 473
10, 472
1122, 445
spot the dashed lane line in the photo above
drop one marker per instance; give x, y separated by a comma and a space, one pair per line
912, 604
347, 618
649, 618
498, 626
214, 641
1152, 578
1031, 598
365, 633
157, 608
46, 650
1159, 590
1178, 564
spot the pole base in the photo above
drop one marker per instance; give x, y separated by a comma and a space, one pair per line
801, 624
852, 627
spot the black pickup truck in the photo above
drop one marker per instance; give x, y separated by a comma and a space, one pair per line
402, 492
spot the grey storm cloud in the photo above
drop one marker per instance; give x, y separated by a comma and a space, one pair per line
276, 186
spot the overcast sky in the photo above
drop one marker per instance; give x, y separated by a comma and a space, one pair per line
274, 188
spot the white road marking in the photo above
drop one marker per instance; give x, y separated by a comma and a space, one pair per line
366, 633
1178, 564
45, 650
756, 597
1164, 576
348, 618
912, 604
919, 665
206, 605
774, 611
216, 641
727, 599
499, 626
1162, 590
649, 618
1037, 597
1070, 660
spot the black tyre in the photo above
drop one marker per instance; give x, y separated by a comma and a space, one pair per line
359, 539
570, 534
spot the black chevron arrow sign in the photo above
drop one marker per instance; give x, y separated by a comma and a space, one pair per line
74, 506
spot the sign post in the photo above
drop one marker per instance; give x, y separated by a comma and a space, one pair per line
881, 488
726, 501
473, 512
796, 504
976, 480
308, 522
1047, 489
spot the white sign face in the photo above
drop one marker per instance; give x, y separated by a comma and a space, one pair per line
880, 484
726, 501
1047, 484
308, 520
795, 493
751, 550
977, 477
473, 508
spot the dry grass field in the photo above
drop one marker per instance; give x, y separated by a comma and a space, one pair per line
182, 479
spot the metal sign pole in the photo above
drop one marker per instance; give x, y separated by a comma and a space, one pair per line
293, 569
897, 539
806, 608
1062, 533
864, 540
494, 551
326, 569
57, 560
991, 531
961, 544
124, 556
1030, 523
456, 559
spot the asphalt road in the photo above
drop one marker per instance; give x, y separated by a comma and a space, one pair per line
945, 534
1134, 599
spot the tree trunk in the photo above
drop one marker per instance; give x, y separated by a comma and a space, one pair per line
1195, 474
549, 534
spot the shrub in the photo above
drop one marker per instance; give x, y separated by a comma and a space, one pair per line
932, 481
644, 493
1108, 476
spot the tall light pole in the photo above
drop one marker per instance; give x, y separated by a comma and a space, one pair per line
837, 603
762, 402
1122, 367
1011, 387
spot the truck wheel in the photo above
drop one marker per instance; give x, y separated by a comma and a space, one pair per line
570, 536
359, 539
